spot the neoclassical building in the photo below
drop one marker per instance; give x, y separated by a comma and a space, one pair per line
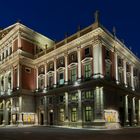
89, 79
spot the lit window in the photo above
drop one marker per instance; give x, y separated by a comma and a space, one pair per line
74, 97
88, 95
61, 78
88, 113
73, 75
74, 115
88, 71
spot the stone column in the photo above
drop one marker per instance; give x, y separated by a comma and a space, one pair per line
66, 108
45, 111
132, 78
20, 121
11, 121
79, 107
79, 63
124, 67
134, 121
18, 76
126, 121
139, 112
12, 73
99, 106
55, 73
66, 68
45, 77
98, 61
116, 68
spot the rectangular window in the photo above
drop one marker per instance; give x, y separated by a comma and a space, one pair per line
73, 75
87, 51
107, 54
51, 81
74, 97
74, 115
61, 78
120, 76
88, 71
108, 70
128, 81
88, 95
88, 113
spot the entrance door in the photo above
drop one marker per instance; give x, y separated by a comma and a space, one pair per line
41, 119
121, 116
51, 118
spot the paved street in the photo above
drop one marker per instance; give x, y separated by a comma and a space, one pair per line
46, 133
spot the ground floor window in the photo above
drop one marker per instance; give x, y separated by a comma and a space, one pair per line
74, 115
61, 115
88, 113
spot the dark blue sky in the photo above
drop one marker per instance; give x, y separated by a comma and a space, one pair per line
54, 18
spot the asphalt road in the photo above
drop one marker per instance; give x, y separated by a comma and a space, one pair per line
47, 133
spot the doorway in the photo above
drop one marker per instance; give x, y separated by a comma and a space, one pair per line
41, 119
51, 118
9, 117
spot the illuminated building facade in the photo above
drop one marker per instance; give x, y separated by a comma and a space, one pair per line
89, 79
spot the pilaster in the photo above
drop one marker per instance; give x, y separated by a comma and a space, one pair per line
124, 67
126, 121
99, 107
116, 68
98, 60
79, 63
132, 78
66, 68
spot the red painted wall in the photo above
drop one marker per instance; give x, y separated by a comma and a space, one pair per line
27, 46
28, 78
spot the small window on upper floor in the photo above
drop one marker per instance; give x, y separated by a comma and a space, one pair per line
87, 51
127, 67
107, 54
120, 64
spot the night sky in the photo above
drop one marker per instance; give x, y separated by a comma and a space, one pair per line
54, 18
